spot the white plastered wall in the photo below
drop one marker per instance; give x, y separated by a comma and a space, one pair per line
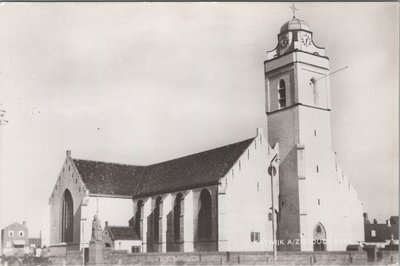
331, 199
244, 200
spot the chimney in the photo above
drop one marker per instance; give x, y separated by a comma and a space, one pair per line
68, 153
375, 221
24, 223
388, 222
106, 224
365, 215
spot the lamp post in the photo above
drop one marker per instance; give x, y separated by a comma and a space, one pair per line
272, 173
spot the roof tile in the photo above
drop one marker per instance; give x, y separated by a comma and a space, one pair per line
196, 170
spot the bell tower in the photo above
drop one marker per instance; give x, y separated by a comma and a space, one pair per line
298, 113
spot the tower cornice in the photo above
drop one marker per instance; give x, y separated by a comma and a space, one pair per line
295, 51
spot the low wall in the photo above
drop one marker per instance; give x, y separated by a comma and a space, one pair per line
386, 257
229, 258
235, 258
61, 249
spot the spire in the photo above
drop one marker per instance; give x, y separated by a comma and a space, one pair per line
293, 10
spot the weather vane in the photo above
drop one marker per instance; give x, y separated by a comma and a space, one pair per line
293, 9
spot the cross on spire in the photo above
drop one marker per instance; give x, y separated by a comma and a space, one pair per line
293, 9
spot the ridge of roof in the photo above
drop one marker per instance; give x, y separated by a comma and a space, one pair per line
95, 161
15, 223
201, 152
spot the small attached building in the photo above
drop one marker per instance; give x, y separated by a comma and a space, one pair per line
122, 238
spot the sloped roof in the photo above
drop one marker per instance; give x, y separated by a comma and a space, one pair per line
122, 233
15, 225
196, 170
108, 178
201, 169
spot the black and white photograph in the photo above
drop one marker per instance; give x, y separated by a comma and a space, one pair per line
199, 133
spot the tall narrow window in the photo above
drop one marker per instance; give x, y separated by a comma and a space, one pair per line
67, 217
205, 215
315, 90
138, 217
156, 220
282, 94
177, 217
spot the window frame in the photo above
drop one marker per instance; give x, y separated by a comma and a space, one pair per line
255, 237
282, 94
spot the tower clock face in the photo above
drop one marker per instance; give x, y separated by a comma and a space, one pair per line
284, 41
306, 39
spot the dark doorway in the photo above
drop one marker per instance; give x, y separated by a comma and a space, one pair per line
319, 238
86, 255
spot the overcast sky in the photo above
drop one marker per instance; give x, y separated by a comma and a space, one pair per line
141, 83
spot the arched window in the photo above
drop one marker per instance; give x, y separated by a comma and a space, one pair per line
319, 238
282, 94
205, 215
318, 229
315, 90
138, 217
67, 217
177, 217
156, 220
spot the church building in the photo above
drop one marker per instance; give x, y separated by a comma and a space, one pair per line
221, 199
200, 202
